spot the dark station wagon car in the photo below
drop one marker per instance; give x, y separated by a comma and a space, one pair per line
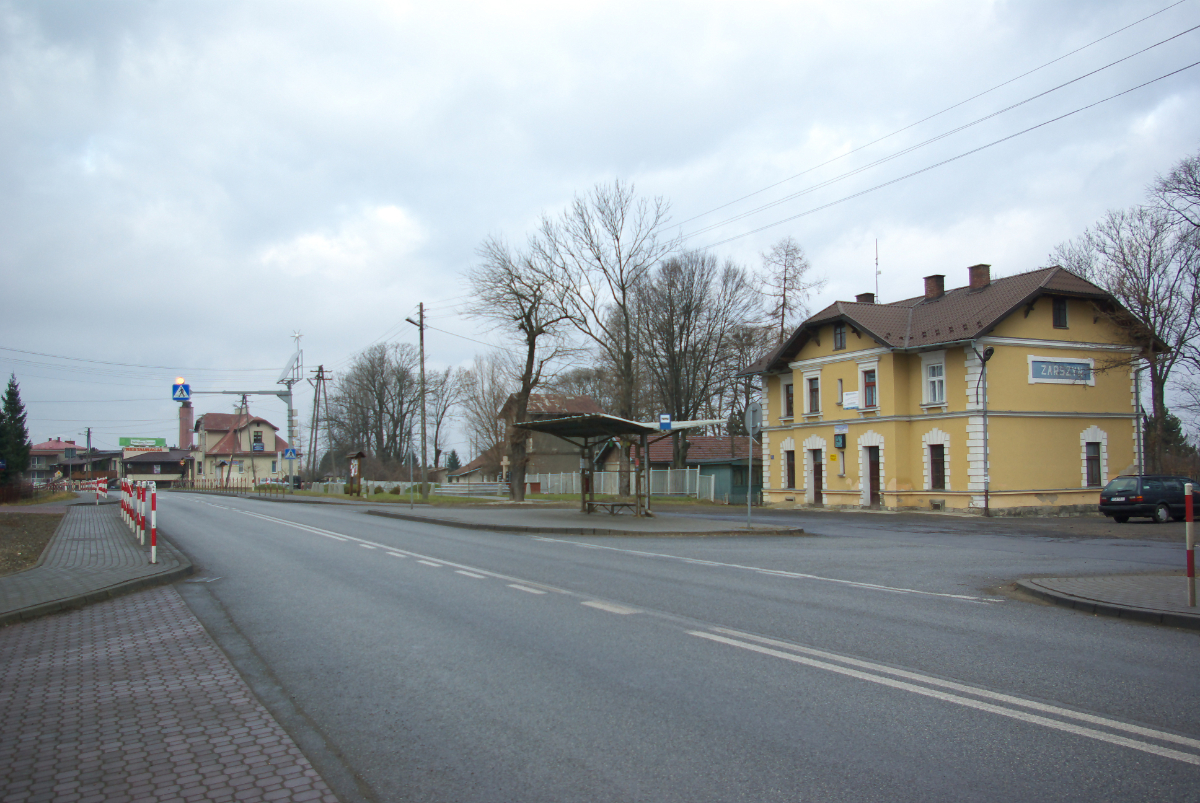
1158, 497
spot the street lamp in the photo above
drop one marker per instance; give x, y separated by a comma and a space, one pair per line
987, 467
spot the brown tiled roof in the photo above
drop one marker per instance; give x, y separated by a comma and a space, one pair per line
959, 314
552, 405
492, 454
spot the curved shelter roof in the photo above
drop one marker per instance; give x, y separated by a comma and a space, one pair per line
589, 427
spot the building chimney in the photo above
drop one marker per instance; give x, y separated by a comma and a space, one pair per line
980, 276
185, 425
935, 286
865, 298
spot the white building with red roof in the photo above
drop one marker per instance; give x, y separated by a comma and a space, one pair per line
238, 446
44, 456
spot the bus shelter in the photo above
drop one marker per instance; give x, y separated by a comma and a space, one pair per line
587, 432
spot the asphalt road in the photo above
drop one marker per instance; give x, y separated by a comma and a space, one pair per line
879, 660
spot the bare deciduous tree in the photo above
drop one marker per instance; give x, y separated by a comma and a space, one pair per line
604, 244
788, 282
593, 381
1178, 192
520, 294
373, 401
689, 307
444, 392
1151, 265
489, 381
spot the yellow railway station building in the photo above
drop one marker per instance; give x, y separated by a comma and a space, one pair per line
886, 405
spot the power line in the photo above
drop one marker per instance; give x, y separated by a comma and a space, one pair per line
473, 340
930, 117
131, 365
910, 149
948, 161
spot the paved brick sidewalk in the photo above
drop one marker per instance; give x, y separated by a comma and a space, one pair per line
129, 699
1152, 598
92, 556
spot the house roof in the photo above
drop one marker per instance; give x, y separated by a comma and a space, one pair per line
492, 455
223, 422
702, 449
960, 314
55, 445
554, 405
231, 424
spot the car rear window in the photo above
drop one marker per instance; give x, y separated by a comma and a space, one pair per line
1123, 485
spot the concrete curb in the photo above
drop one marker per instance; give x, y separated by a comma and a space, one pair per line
184, 569
511, 528
1102, 608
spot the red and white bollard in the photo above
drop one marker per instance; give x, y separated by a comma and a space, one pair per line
141, 513
1190, 541
153, 522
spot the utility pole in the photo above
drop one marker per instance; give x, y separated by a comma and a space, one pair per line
424, 462
89, 451
314, 432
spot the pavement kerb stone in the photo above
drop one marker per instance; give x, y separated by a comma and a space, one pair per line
1102, 608
512, 528
182, 569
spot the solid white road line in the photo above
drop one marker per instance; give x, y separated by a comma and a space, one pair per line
366, 546
396, 555
610, 607
430, 563
465, 573
526, 589
968, 689
1078, 730
777, 572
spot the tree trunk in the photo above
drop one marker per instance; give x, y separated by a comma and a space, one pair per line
623, 488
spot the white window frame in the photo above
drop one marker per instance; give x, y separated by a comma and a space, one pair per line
863, 367
1093, 434
807, 376
1089, 362
936, 437
929, 359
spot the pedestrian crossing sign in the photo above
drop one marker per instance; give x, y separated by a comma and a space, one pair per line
289, 453
181, 392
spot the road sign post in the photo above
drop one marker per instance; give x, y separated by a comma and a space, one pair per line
753, 427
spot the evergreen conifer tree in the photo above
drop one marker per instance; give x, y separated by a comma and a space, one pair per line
14, 437
452, 462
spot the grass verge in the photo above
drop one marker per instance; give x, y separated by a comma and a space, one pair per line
23, 538
61, 496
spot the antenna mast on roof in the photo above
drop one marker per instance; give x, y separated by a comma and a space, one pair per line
877, 301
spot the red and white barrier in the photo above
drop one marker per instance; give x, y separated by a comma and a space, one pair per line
153, 522
1190, 541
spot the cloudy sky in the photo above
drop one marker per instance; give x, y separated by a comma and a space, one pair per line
184, 185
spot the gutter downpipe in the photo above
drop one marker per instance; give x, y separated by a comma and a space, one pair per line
987, 465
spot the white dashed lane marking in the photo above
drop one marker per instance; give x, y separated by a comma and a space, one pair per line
610, 607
